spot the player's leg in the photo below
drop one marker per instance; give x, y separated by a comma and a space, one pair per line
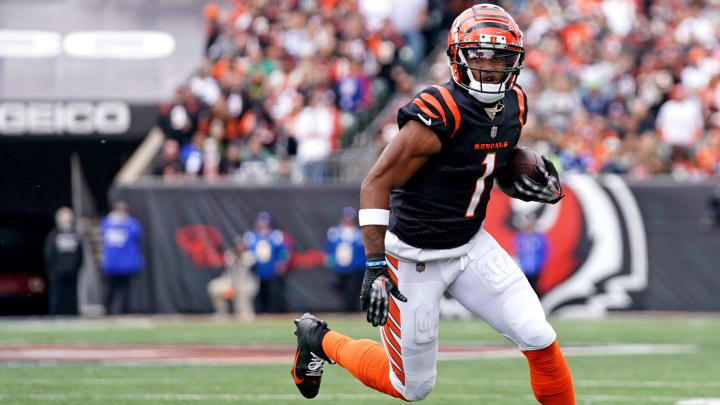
262, 299
72, 294
364, 358
216, 290
402, 366
493, 287
125, 294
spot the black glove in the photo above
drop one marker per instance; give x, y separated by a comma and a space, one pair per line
549, 192
377, 287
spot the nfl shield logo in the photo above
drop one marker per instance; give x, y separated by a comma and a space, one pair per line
493, 131
420, 267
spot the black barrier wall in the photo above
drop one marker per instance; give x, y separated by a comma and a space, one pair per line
177, 273
612, 246
684, 247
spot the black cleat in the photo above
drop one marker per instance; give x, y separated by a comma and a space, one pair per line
309, 357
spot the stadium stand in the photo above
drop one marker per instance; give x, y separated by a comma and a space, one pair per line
607, 99
613, 86
283, 85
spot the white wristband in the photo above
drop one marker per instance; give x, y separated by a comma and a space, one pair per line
373, 216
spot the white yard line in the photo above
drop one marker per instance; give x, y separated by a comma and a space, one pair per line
75, 324
141, 356
576, 351
90, 381
334, 397
591, 383
442, 381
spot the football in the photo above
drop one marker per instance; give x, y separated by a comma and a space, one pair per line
520, 161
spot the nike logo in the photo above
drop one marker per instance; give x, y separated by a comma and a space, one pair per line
427, 122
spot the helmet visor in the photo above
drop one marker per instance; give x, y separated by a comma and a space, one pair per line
493, 66
500, 60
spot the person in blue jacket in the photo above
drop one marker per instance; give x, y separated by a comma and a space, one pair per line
345, 254
123, 256
271, 249
532, 251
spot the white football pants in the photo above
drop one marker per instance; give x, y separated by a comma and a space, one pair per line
482, 277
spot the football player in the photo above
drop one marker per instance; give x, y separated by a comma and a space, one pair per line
435, 177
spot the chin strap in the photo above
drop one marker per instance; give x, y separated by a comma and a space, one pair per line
487, 98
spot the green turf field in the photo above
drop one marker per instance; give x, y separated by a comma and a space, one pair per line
599, 378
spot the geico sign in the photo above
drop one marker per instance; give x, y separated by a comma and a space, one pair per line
86, 44
76, 118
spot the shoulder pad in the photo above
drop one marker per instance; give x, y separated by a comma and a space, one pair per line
435, 108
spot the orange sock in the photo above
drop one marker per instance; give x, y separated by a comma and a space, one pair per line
550, 376
365, 359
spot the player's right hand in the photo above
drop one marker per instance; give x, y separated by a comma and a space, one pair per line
376, 290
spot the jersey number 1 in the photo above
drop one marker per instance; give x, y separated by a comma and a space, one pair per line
489, 163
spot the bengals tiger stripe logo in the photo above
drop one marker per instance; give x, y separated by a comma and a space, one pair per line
597, 259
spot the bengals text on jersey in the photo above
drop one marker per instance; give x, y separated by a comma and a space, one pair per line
443, 204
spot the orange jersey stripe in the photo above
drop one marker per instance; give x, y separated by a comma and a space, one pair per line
451, 105
521, 104
435, 103
424, 108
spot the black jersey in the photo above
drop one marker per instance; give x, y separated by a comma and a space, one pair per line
443, 204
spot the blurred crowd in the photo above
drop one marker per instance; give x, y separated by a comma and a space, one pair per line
616, 86
625, 86
284, 84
